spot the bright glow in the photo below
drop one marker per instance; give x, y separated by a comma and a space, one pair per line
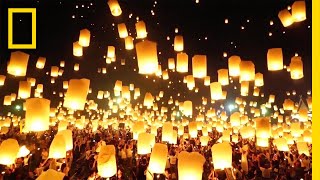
18, 107
231, 107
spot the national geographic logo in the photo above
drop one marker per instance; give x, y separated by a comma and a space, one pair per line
11, 12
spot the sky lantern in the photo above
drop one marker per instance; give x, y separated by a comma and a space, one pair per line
41, 62
54, 71
182, 62
296, 67
114, 7
223, 77
167, 132
2, 79
234, 66
256, 91
199, 66
204, 140
193, 130
221, 156
303, 148
263, 127
262, 142
7, 100
247, 132
76, 95
128, 41
275, 59
144, 143
207, 81
58, 148
158, 158
24, 89
137, 128
171, 64
141, 30
288, 105
18, 63
190, 82
216, 91
122, 29
148, 100
295, 129
244, 88
23, 152
299, 11
51, 174
285, 17
84, 38
303, 115
165, 75
235, 119
111, 53
247, 71
147, 57
67, 134
9, 150
178, 43
271, 98
190, 165
77, 49
37, 114
106, 162
187, 108
281, 144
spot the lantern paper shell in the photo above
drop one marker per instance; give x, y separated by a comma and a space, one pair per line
204, 140
296, 68
114, 8
178, 43
41, 62
67, 134
84, 38
263, 127
193, 130
107, 165
222, 155
258, 81
51, 174
144, 143
299, 11
303, 148
190, 165
147, 57
235, 119
37, 114
262, 142
122, 29
77, 49
128, 41
171, 64
76, 95
18, 63
58, 147
9, 150
285, 18
247, 132
223, 77
281, 144
24, 89
275, 59
167, 132
187, 108
247, 71
216, 91
158, 158
234, 66
182, 62
141, 30
199, 66
2, 79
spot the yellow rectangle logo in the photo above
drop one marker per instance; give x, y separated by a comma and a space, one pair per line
10, 28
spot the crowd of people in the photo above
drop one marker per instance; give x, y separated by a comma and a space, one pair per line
252, 162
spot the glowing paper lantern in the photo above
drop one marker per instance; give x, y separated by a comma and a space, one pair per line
171, 64
193, 131
18, 63
295, 129
216, 91
199, 66
54, 71
84, 38
147, 57
9, 150
167, 131
303, 115
235, 119
158, 158
7, 100
244, 88
288, 105
222, 155
207, 81
37, 114
111, 52
262, 142
299, 11
144, 143
141, 30
122, 29
77, 49
247, 71
285, 18
51, 174
247, 132
41, 62
23, 152
234, 66
263, 127
275, 59
58, 147
137, 128
190, 82
182, 62
106, 162
296, 68
204, 140
2, 79
281, 144
187, 108
114, 8
223, 77
178, 43
67, 134
76, 95
303, 148
190, 165
128, 41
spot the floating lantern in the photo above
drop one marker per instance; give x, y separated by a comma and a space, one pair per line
84, 38
296, 67
67, 134
299, 11
171, 64
216, 91
37, 114
106, 162
244, 88
247, 71
275, 59
288, 105
114, 8
128, 41
199, 66
2, 79
7, 100
204, 140
77, 49
262, 142
178, 43
24, 89
58, 147
182, 62
76, 95
167, 132
147, 57
223, 77
158, 158
285, 18
193, 130
221, 156
9, 150
144, 143
235, 119
303, 148
51, 174
122, 29
247, 132
303, 115
141, 30
263, 127
281, 144
190, 165
187, 108
18, 63
54, 71
23, 152
207, 81
234, 66
41, 62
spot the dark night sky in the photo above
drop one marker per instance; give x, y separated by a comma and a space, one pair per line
57, 30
